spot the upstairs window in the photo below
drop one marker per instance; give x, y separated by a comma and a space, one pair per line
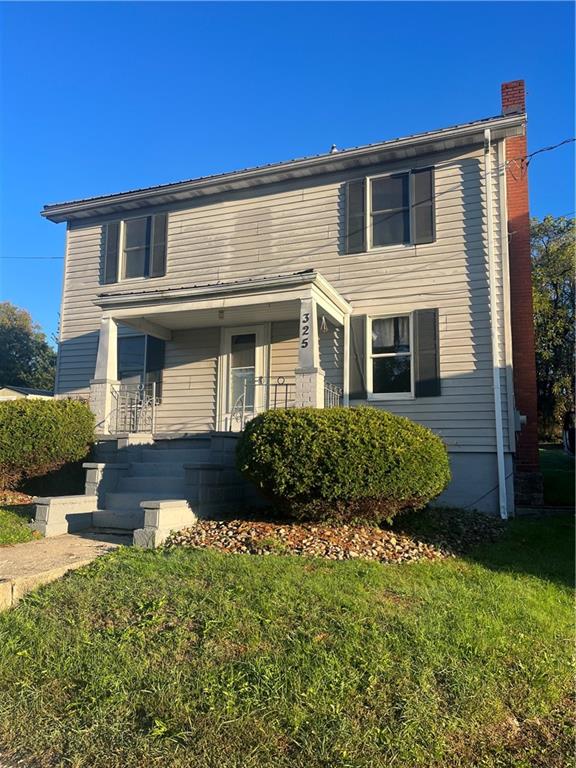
135, 248
390, 210
400, 210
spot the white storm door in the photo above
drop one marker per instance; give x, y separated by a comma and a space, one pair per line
242, 395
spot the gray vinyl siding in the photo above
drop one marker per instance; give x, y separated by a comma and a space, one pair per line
284, 349
189, 382
283, 360
299, 225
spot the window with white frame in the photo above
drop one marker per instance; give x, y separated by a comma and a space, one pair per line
135, 248
390, 210
390, 356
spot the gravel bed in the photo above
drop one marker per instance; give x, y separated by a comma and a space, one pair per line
434, 534
334, 542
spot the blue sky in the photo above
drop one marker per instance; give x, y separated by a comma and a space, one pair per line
102, 97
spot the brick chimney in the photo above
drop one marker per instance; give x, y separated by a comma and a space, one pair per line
528, 479
513, 97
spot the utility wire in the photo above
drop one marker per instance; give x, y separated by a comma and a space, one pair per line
529, 156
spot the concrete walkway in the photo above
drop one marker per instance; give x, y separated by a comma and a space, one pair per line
24, 567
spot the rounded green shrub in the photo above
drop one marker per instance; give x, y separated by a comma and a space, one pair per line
40, 436
343, 463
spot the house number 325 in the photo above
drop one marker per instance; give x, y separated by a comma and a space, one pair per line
305, 331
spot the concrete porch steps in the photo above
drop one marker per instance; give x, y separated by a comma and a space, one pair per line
127, 500
159, 469
174, 455
118, 519
159, 483
198, 471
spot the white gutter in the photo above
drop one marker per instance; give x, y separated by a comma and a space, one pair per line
502, 500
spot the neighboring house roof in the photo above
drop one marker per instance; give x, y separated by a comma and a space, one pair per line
445, 138
27, 391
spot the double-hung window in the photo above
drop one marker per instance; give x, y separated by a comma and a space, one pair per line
390, 357
135, 248
388, 210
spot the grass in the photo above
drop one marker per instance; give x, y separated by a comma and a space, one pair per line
559, 479
14, 521
195, 658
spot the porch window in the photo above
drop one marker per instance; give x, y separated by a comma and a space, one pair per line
390, 352
135, 248
141, 361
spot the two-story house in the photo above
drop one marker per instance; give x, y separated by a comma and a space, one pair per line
394, 275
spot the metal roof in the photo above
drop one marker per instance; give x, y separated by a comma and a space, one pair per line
133, 198
306, 274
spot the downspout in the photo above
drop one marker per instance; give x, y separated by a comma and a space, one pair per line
502, 500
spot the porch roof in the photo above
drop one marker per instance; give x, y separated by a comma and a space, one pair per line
277, 297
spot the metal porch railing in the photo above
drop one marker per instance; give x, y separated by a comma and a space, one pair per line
271, 394
134, 407
332, 395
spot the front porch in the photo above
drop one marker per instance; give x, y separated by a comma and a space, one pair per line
214, 356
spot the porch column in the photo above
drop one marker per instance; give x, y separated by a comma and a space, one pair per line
105, 375
309, 375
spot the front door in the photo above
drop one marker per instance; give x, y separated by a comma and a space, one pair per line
242, 394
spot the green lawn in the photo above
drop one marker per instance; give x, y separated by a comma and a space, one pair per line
558, 471
14, 521
194, 658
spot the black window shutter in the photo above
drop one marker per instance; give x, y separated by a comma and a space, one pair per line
358, 357
423, 223
158, 260
111, 242
426, 353
355, 216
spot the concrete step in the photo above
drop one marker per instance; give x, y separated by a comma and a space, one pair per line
130, 500
228, 494
188, 443
174, 455
223, 476
173, 485
158, 469
122, 519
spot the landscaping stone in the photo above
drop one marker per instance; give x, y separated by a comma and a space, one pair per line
341, 542
449, 534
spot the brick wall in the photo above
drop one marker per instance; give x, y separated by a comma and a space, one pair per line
513, 100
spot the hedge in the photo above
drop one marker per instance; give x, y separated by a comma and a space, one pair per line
40, 436
343, 463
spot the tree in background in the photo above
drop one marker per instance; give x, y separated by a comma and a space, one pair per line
26, 358
553, 288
